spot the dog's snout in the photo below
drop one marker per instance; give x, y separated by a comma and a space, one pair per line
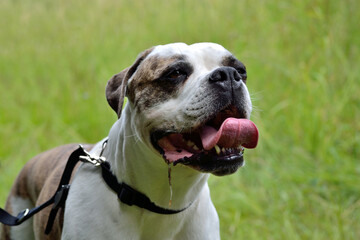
224, 74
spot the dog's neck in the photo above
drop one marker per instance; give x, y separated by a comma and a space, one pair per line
146, 171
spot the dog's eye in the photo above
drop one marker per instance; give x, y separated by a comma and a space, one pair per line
242, 72
176, 75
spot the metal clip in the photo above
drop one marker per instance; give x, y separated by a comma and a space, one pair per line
88, 158
22, 215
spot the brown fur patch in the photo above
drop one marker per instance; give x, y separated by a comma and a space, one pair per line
38, 181
145, 89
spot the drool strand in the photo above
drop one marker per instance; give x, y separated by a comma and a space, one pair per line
170, 186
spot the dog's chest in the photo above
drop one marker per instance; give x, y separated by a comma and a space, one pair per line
94, 209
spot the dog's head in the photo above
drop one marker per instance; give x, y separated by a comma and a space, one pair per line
190, 104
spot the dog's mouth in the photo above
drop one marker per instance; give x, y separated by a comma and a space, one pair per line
217, 146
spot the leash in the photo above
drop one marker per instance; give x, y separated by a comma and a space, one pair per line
58, 199
125, 193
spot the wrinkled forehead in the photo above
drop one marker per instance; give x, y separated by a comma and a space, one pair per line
205, 53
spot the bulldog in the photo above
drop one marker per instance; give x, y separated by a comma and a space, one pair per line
186, 117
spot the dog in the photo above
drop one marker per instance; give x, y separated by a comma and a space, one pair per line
186, 117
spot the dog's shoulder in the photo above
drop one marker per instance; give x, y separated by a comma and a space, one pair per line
42, 169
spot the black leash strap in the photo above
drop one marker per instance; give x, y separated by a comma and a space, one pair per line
125, 193
63, 188
24, 215
58, 199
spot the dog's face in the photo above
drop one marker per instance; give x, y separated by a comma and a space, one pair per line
190, 104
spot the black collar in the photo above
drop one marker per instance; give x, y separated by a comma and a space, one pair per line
129, 195
125, 193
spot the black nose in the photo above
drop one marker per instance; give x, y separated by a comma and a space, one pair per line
224, 74
225, 77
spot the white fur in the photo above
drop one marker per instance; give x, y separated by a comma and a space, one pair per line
93, 210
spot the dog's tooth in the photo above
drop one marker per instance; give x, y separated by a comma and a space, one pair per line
195, 148
240, 148
217, 149
223, 150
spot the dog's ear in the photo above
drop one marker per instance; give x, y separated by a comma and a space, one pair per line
116, 86
115, 91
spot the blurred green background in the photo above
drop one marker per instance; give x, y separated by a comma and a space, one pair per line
302, 57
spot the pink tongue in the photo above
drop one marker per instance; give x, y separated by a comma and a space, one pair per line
232, 133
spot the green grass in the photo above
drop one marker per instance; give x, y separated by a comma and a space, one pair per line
302, 182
